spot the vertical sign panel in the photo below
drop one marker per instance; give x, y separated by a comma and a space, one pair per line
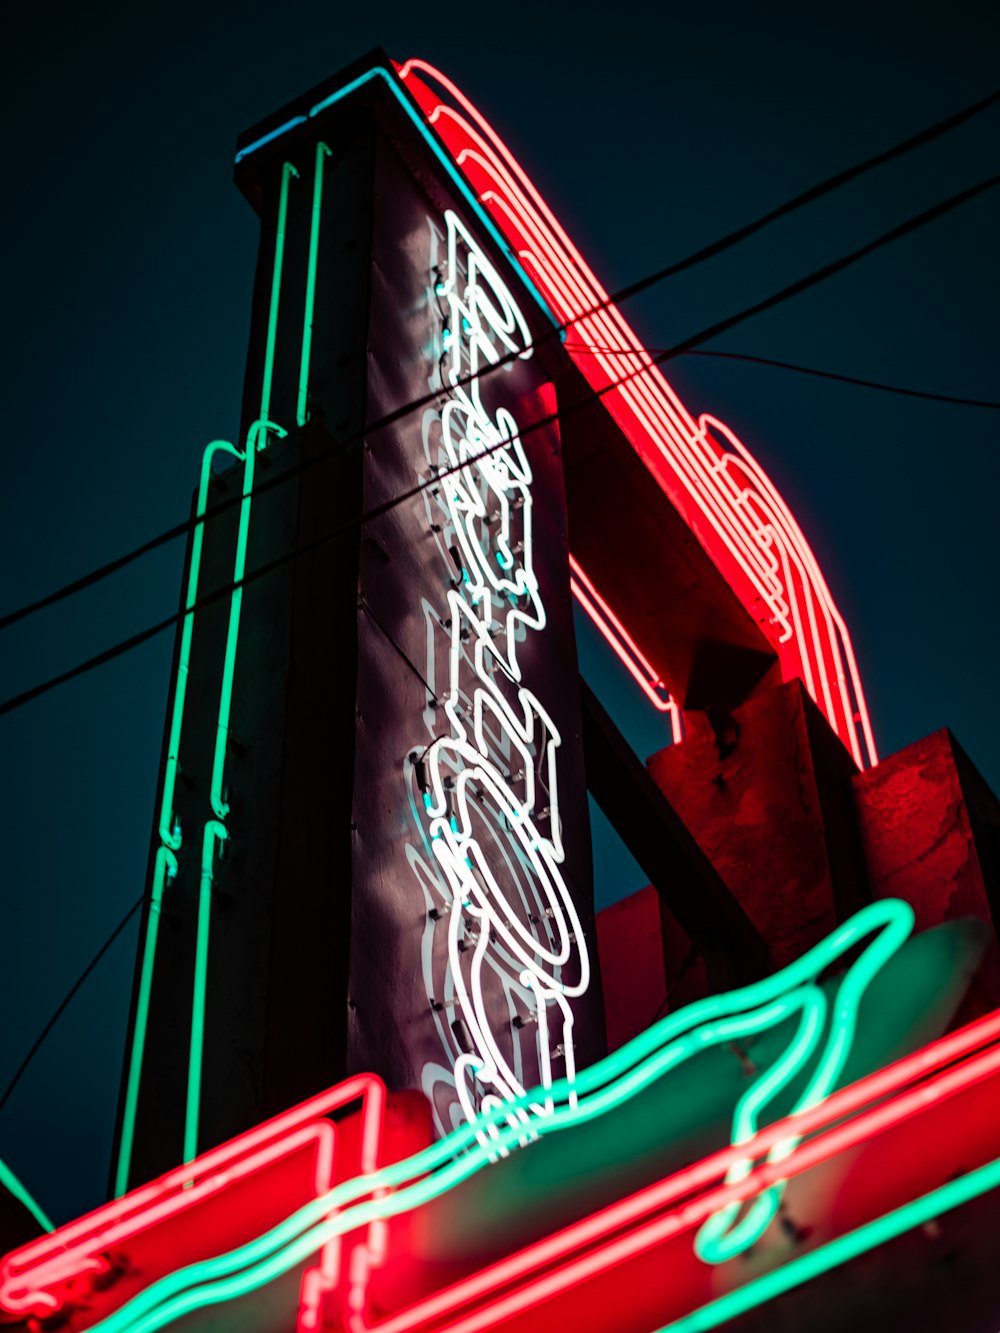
472, 971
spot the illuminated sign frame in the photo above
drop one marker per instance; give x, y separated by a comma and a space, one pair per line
755, 536
718, 487
964, 1063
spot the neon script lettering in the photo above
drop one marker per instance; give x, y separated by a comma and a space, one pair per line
499, 762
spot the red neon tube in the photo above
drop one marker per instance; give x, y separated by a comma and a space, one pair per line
715, 484
637, 1211
28, 1274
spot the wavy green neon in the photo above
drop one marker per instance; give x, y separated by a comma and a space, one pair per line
302, 410
715, 1242
215, 832
165, 867
269, 1256
839, 1251
597, 1090
13, 1185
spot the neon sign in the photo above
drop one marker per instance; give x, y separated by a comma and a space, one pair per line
708, 474
703, 1198
215, 831
488, 501
718, 488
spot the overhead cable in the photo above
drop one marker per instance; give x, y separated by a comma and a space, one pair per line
740, 234
714, 330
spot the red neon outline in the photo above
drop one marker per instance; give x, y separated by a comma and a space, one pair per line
629, 652
601, 1231
877, 1102
27, 1274
740, 519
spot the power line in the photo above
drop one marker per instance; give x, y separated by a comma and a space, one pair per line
951, 399
721, 326
66, 1000
835, 182
835, 266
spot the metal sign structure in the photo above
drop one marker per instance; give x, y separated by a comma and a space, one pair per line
372, 852
300, 1219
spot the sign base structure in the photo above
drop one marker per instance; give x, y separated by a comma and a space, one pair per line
851, 1136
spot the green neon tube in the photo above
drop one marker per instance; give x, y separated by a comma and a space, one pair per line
165, 868
302, 412
251, 1266
256, 440
839, 1251
215, 832
715, 1242
164, 873
170, 833
599, 1089
215, 829
14, 1186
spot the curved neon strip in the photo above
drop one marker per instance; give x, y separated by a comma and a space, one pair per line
10, 1182
574, 1248
590, 1246
686, 460
603, 1224
952, 1064
708, 1022
798, 1271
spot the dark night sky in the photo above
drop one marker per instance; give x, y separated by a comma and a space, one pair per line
129, 259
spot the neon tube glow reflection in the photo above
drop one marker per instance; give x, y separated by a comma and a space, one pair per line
599, 1089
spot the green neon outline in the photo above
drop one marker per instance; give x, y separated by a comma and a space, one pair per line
252, 1265
302, 409
256, 440
171, 837
716, 1242
839, 1251
597, 1090
165, 866
170, 832
215, 832
215, 829
164, 874
13, 1185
